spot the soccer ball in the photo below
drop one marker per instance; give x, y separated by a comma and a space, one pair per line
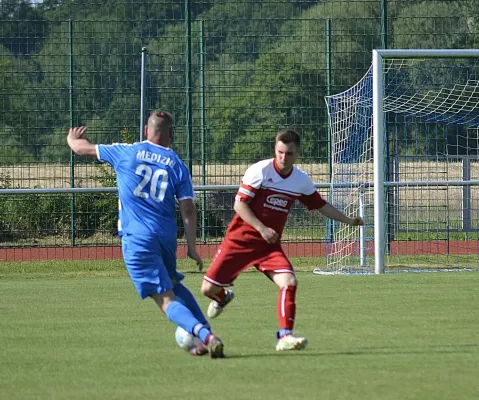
185, 340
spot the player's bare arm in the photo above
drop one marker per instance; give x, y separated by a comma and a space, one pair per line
331, 212
79, 143
188, 215
244, 211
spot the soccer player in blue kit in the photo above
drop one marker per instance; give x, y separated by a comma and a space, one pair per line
150, 178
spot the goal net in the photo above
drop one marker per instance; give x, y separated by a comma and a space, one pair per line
423, 165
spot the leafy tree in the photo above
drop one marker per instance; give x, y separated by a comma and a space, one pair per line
56, 149
23, 27
429, 25
11, 149
19, 78
105, 75
8, 83
275, 98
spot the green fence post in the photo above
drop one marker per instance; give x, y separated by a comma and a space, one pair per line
328, 86
72, 155
203, 131
144, 53
188, 105
328, 93
389, 171
384, 24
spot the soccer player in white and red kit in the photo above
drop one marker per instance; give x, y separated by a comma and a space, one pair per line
268, 190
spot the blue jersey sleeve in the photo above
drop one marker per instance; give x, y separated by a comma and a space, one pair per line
111, 153
184, 189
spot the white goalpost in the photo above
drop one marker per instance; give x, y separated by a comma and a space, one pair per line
405, 155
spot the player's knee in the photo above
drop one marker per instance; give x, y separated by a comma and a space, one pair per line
163, 300
285, 279
291, 280
206, 288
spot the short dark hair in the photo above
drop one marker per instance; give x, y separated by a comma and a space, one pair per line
164, 115
288, 136
163, 120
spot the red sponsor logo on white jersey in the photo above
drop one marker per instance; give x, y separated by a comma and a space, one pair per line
278, 200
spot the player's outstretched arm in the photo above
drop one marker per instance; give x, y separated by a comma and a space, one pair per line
79, 144
188, 215
331, 212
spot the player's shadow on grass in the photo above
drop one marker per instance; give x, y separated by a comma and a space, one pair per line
443, 349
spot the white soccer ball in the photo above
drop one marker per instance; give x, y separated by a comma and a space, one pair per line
184, 339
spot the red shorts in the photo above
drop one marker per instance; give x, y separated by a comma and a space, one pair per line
233, 258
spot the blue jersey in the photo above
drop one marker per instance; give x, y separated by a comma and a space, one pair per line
150, 179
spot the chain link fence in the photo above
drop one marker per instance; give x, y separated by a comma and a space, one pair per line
231, 72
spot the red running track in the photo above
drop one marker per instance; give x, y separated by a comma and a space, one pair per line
302, 249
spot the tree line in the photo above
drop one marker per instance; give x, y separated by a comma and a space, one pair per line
265, 65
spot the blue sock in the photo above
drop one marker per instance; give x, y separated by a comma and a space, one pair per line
283, 332
182, 316
203, 333
185, 297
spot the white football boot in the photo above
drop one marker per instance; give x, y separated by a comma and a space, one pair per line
215, 308
291, 342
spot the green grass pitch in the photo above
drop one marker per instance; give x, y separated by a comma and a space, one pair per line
77, 330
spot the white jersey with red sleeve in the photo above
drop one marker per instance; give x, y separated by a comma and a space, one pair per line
270, 196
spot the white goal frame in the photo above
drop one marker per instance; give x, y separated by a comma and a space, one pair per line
378, 135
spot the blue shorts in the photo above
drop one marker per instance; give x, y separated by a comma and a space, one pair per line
151, 263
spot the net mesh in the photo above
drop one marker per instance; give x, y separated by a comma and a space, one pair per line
431, 134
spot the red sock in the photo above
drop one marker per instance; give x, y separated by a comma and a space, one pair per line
219, 297
286, 307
